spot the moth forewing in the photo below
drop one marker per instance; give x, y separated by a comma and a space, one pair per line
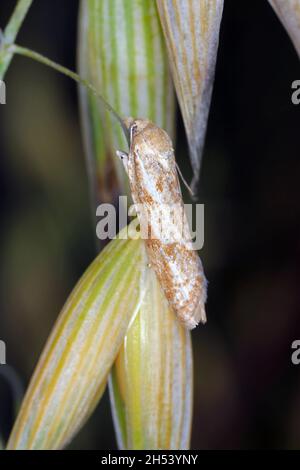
156, 192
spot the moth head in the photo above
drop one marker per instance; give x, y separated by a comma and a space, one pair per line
149, 134
139, 125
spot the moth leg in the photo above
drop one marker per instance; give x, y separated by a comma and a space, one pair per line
123, 156
184, 181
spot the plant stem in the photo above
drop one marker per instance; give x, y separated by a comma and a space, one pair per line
10, 33
15, 49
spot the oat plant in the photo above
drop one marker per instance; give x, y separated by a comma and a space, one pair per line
116, 326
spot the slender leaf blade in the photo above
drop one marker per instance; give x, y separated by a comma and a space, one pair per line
11, 32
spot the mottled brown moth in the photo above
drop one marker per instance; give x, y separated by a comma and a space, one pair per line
151, 168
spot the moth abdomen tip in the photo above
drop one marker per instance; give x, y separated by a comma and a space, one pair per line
199, 317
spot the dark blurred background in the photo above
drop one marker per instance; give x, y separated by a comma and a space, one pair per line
247, 392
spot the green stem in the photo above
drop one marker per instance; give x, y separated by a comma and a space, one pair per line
11, 31
15, 49
16, 20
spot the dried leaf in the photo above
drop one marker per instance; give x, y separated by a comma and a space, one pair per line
191, 30
288, 12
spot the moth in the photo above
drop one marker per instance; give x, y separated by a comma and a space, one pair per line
151, 168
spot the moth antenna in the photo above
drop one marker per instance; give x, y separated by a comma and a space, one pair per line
192, 194
15, 49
